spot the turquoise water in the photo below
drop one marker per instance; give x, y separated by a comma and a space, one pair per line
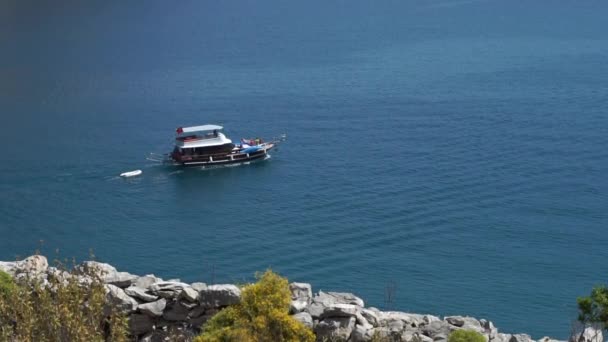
455, 149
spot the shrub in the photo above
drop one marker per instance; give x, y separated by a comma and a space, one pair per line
63, 309
262, 315
7, 285
594, 308
466, 336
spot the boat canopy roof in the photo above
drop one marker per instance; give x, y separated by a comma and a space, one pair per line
202, 128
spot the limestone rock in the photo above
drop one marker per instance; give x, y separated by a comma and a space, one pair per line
436, 328
390, 318
301, 296
196, 312
139, 293
199, 286
370, 315
116, 297
106, 273
323, 300
500, 337
455, 320
147, 280
305, 318
168, 289
490, 329
216, 296
154, 309
35, 264
176, 312
340, 310
590, 334
465, 322
521, 338
338, 328
140, 324
414, 336
338, 298
549, 339
361, 334
189, 294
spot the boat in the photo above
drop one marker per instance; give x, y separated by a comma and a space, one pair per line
131, 173
207, 145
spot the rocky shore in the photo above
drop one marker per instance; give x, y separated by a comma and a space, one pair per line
156, 306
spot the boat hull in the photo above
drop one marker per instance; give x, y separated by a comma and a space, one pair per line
227, 159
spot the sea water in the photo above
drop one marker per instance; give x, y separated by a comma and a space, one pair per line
452, 153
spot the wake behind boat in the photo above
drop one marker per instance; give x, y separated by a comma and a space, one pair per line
207, 145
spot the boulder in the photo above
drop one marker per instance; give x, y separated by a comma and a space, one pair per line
362, 321
118, 299
335, 328
198, 287
589, 334
106, 273
216, 296
414, 336
154, 309
301, 296
304, 318
490, 329
35, 264
370, 315
465, 322
196, 312
521, 338
455, 320
440, 338
168, 289
436, 328
387, 318
140, 324
362, 334
338, 298
549, 339
139, 293
340, 310
189, 294
176, 312
147, 280
500, 337
323, 300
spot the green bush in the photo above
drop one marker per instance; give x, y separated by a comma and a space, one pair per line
7, 285
594, 308
64, 309
466, 336
262, 315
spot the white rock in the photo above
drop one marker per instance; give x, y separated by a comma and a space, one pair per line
301, 296
220, 295
189, 294
116, 297
338, 328
305, 318
139, 293
154, 309
340, 310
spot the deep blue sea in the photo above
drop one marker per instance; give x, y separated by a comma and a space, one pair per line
457, 150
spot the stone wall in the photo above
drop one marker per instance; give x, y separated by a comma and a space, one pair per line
157, 307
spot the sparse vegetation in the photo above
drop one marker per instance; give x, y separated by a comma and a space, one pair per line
466, 336
61, 309
262, 315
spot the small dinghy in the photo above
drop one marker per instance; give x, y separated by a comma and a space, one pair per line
131, 173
